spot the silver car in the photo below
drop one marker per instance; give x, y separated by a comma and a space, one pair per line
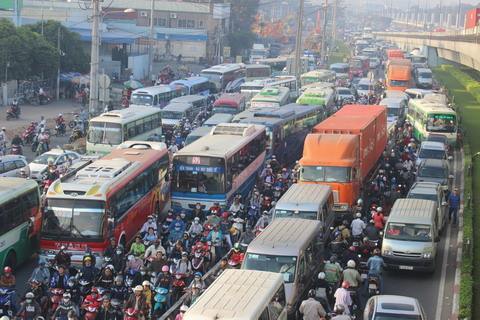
12, 165
435, 170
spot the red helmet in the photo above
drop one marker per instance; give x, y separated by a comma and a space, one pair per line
94, 290
225, 215
7, 269
345, 284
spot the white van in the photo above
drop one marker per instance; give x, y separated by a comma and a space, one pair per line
411, 235
292, 247
395, 110
424, 78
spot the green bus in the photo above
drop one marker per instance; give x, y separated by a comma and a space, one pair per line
321, 96
20, 220
430, 117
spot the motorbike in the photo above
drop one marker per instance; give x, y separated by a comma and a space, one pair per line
16, 149
91, 312
373, 285
6, 307
160, 299
178, 286
29, 134
42, 146
60, 129
198, 260
236, 259
76, 134
131, 314
12, 113
56, 295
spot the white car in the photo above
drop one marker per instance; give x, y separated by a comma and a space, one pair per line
59, 157
343, 93
432, 150
393, 307
364, 86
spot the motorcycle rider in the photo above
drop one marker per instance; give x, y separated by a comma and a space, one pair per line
110, 251
311, 308
155, 247
371, 232
91, 299
3, 141
43, 137
323, 291
357, 225
89, 271
137, 248
118, 259
150, 223
375, 267
352, 276
60, 122
340, 313
61, 258
17, 141
7, 279
59, 279
184, 266
107, 312
138, 302
41, 273
236, 206
119, 291
196, 228
333, 272
65, 307
379, 219
342, 297
29, 309
106, 277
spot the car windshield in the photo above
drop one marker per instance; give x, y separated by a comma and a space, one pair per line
441, 123
45, 158
104, 133
357, 64
285, 265
225, 109
325, 174
141, 99
433, 172
393, 112
408, 232
71, 218
310, 215
199, 175
425, 75
431, 154
388, 316
363, 86
423, 196
344, 92
340, 69
172, 115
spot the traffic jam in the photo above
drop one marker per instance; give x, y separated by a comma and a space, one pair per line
240, 193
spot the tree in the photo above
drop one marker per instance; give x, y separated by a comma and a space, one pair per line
13, 52
74, 57
243, 14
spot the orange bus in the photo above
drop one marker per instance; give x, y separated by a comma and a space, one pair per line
111, 197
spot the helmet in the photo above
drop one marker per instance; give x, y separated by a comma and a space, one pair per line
60, 115
146, 283
311, 293
67, 295
376, 252
29, 295
236, 246
7, 269
321, 275
345, 284
352, 248
225, 215
165, 268
379, 209
198, 274
333, 259
358, 215
339, 309
360, 202
183, 308
351, 264
138, 288
118, 279
94, 290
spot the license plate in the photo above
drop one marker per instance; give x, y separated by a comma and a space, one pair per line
405, 267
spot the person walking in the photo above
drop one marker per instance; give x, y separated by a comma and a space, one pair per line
311, 308
454, 203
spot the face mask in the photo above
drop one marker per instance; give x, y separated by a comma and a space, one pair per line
198, 207
119, 252
142, 273
28, 300
66, 300
195, 222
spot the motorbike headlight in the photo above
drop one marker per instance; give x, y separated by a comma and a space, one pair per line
427, 255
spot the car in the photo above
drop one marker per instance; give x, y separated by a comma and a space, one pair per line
432, 150
393, 307
343, 93
59, 157
441, 138
435, 192
364, 86
374, 62
435, 170
11, 166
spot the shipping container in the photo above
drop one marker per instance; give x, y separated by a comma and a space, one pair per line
472, 17
395, 54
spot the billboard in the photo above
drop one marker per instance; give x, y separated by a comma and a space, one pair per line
9, 5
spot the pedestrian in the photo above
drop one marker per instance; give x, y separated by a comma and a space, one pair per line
454, 203
311, 308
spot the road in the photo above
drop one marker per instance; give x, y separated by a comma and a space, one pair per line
434, 291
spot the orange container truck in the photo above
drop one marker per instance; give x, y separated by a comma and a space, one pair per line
399, 74
395, 54
343, 150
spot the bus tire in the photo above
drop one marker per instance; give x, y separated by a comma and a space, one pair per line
11, 260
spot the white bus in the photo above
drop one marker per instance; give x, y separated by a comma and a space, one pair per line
110, 129
220, 75
251, 88
241, 295
193, 85
156, 96
258, 71
271, 97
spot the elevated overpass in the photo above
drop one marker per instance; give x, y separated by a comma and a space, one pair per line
462, 47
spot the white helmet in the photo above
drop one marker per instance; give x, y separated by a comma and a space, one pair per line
359, 202
321, 275
379, 209
351, 264
183, 308
358, 215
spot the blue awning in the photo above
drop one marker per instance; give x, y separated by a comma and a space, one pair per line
181, 37
112, 37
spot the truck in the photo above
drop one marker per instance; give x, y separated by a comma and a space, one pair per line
343, 151
258, 52
359, 66
472, 18
399, 74
395, 54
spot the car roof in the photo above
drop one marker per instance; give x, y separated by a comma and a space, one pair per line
435, 145
399, 305
10, 157
424, 187
343, 88
59, 151
434, 163
365, 80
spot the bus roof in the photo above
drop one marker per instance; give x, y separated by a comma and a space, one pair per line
97, 179
342, 149
11, 187
222, 68
339, 65
236, 295
223, 140
218, 118
270, 116
271, 94
231, 99
285, 237
257, 66
153, 90
125, 115
191, 98
412, 210
427, 106
190, 81
177, 106
317, 73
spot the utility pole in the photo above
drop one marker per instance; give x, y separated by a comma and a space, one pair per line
59, 59
334, 22
152, 38
298, 43
94, 59
324, 32
457, 22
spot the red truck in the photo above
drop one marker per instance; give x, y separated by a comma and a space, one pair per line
395, 54
472, 18
359, 66
343, 150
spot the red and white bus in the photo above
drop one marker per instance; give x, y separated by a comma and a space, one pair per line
110, 197
231, 103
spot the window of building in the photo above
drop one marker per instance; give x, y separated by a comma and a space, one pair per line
182, 23
161, 22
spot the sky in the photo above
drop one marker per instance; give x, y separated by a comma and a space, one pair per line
431, 3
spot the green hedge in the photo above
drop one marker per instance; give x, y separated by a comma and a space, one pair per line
466, 280
471, 85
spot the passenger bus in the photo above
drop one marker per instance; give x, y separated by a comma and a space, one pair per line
324, 97
20, 218
156, 96
258, 71
429, 117
110, 197
340, 68
110, 129
232, 103
193, 85
317, 76
241, 295
285, 126
218, 166
271, 97
252, 88
218, 118
293, 248
173, 113
220, 75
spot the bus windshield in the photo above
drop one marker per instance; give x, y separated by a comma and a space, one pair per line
393, 112
278, 264
212, 76
441, 123
225, 109
172, 115
104, 133
199, 175
325, 174
356, 64
310, 215
408, 232
398, 83
141, 99
70, 218
340, 69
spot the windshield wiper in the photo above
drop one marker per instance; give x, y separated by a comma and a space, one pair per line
79, 233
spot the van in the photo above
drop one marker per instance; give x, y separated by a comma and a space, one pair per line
12, 165
197, 101
432, 191
395, 110
411, 235
307, 201
197, 134
218, 118
174, 112
292, 247
423, 78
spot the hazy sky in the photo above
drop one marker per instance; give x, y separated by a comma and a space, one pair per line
431, 3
